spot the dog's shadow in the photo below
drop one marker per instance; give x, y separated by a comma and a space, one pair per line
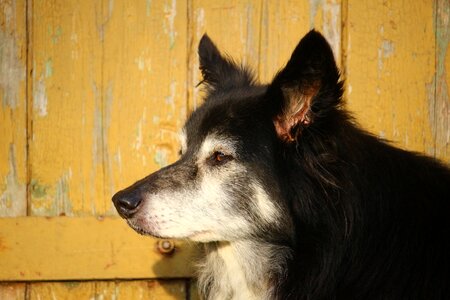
176, 269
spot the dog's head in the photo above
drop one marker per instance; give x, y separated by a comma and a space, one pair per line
230, 180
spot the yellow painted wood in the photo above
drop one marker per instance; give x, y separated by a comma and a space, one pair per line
66, 144
144, 87
152, 290
285, 22
109, 290
13, 108
69, 248
12, 291
235, 28
390, 57
441, 123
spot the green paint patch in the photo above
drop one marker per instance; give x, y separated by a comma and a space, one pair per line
71, 284
56, 34
38, 190
148, 8
161, 158
48, 67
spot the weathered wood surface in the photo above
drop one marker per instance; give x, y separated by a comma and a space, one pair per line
75, 248
93, 94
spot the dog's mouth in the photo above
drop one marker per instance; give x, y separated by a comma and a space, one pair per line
141, 230
200, 236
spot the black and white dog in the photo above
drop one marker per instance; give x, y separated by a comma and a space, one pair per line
290, 198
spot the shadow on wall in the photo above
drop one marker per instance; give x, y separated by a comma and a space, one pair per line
178, 258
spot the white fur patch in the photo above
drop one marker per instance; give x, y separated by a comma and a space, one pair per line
241, 270
213, 143
266, 207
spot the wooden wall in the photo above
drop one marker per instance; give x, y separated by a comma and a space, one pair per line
93, 94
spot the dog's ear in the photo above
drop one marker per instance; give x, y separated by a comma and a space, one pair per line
220, 72
307, 89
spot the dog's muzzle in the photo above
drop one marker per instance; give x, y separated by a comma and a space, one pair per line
127, 202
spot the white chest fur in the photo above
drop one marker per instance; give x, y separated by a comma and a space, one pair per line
236, 271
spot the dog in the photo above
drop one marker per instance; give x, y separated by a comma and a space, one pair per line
291, 199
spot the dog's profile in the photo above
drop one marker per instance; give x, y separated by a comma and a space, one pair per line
291, 199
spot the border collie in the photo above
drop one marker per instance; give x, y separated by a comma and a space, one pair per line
292, 199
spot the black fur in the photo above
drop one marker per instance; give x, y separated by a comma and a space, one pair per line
367, 220
361, 218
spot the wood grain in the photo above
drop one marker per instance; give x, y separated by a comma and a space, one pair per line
13, 108
74, 248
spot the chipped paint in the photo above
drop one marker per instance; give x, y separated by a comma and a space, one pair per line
48, 68
55, 34
161, 157
440, 117
170, 99
62, 198
170, 12
13, 191
332, 26
385, 50
148, 7
144, 63
199, 15
40, 97
12, 70
313, 8
38, 190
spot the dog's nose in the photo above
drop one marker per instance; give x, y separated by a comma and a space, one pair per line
127, 202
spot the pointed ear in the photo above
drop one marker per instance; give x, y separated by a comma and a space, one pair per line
307, 89
220, 72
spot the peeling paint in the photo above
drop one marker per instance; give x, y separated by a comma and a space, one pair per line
332, 26
40, 98
62, 199
144, 63
12, 70
48, 68
169, 23
385, 50
199, 15
56, 34
97, 157
139, 131
107, 162
440, 115
313, 8
13, 197
170, 100
161, 157
148, 7
37, 190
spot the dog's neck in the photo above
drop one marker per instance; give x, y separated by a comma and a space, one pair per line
241, 270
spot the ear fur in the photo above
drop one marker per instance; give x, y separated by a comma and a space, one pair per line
220, 72
307, 88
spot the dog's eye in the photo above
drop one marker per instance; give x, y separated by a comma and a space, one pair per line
220, 158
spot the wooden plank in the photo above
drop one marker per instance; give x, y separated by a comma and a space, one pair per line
285, 22
235, 28
105, 290
154, 290
63, 248
144, 87
66, 160
12, 291
13, 108
390, 69
441, 126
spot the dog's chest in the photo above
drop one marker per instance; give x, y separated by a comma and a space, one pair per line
234, 276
